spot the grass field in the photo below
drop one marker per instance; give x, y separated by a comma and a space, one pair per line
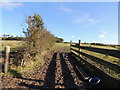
12, 44
97, 46
15, 44
61, 46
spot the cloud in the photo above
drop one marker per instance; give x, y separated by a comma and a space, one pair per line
72, 36
10, 5
66, 9
85, 19
102, 35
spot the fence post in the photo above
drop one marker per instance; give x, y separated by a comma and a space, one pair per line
6, 61
70, 45
79, 47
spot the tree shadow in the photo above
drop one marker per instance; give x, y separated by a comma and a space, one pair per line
50, 75
1, 54
68, 79
15, 73
31, 85
74, 64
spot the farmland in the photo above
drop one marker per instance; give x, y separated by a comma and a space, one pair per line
63, 47
104, 47
16, 44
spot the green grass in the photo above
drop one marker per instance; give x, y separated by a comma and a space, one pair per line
15, 44
61, 46
97, 46
12, 44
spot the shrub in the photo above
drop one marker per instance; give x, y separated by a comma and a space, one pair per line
38, 39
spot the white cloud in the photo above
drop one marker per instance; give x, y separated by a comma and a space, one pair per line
66, 9
7, 4
72, 36
102, 35
85, 19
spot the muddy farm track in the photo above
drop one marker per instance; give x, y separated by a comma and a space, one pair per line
57, 72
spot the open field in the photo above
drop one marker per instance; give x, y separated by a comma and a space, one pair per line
15, 44
97, 46
12, 44
66, 47
58, 46
62, 46
19, 70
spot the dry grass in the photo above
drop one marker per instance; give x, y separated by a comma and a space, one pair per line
97, 46
61, 46
11, 43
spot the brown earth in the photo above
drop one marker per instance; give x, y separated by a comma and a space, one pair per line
57, 72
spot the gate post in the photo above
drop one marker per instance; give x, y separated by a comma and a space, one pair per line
79, 47
70, 45
6, 61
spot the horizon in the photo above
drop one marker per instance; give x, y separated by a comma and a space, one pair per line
86, 21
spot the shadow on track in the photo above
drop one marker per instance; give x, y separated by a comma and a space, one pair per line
68, 79
50, 75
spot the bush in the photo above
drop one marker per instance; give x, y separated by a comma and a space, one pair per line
38, 39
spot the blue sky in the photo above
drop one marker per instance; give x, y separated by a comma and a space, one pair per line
86, 21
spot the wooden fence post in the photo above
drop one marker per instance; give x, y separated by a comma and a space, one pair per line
70, 45
6, 62
79, 47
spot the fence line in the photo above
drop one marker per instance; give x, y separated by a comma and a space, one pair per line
109, 65
99, 65
114, 53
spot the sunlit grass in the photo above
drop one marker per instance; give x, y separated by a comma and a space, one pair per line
11, 43
107, 58
97, 46
61, 46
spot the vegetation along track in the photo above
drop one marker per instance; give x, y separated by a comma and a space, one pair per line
57, 72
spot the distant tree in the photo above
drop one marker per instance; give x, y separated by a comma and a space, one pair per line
59, 40
10, 37
5, 35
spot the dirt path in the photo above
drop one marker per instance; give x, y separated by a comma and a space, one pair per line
57, 72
